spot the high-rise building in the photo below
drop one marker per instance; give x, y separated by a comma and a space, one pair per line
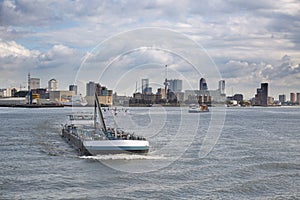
175, 85
282, 98
34, 83
90, 88
73, 88
203, 84
261, 97
52, 85
145, 85
105, 95
293, 98
222, 86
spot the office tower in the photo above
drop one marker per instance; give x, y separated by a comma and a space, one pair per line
90, 88
175, 85
34, 83
52, 85
73, 88
99, 90
264, 97
282, 98
293, 98
203, 84
222, 86
261, 97
145, 85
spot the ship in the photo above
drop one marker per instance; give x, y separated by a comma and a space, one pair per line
90, 135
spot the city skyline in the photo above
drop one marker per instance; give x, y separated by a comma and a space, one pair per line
247, 42
145, 88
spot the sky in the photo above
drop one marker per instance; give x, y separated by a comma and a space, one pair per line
117, 43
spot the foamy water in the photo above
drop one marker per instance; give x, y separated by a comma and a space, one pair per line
123, 157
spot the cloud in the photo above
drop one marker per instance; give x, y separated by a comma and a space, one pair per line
11, 48
16, 61
246, 40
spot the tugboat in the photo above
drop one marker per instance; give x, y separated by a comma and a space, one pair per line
193, 108
93, 138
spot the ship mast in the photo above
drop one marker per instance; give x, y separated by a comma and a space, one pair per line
166, 82
28, 88
97, 104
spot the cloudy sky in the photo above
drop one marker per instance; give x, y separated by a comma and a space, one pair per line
120, 42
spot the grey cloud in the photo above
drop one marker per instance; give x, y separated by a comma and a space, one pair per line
283, 70
250, 33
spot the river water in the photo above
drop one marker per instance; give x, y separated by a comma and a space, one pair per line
232, 153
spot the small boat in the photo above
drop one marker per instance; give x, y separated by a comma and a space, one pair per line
93, 138
193, 108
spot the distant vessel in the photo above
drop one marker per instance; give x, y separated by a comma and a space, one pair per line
91, 138
193, 108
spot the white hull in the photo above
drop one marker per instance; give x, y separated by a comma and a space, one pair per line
197, 111
95, 147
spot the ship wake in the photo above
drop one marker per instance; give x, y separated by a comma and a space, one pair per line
123, 157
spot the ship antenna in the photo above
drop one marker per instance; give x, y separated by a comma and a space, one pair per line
166, 80
136, 87
28, 87
97, 104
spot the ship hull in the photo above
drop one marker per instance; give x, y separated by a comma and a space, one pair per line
197, 111
96, 147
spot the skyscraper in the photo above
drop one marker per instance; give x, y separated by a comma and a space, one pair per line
145, 85
261, 97
34, 83
90, 88
73, 88
175, 85
282, 98
52, 85
222, 86
293, 98
203, 84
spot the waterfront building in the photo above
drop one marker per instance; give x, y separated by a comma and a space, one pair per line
282, 98
145, 85
222, 86
52, 85
73, 88
61, 95
148, 90
215, 96
142, 99
194, 96
34, 83
8, 92
293, 97
41, 92
236, 97
261, 97
298, 98
203, 84
98, 89
161, 94
271, 101
180, 97
175, 85
90, 88
120, 100
105, 96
